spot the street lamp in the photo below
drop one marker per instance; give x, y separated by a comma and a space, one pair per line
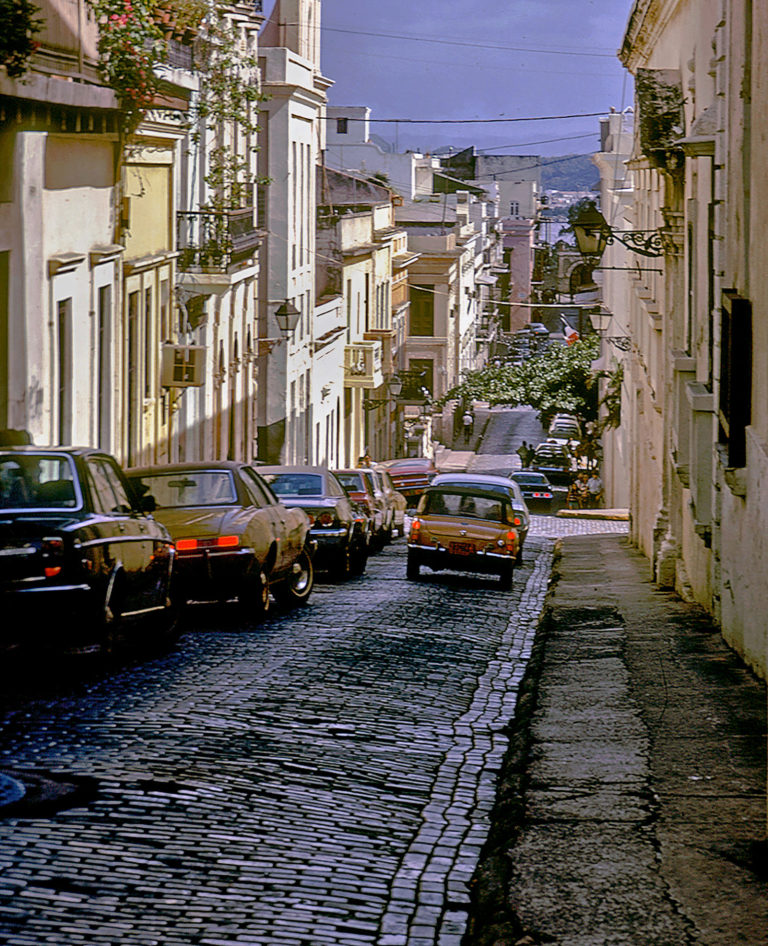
287, 317
394, 387
593, 234
600, 322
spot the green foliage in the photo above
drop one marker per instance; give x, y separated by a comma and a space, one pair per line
20, 23
229, 94
129, 49
559, 380
611, 399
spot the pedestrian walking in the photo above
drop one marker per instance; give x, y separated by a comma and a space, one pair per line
525, 453
468, 422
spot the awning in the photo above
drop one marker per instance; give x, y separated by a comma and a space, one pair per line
484, 280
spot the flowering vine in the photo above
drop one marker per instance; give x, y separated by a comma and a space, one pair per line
130, 46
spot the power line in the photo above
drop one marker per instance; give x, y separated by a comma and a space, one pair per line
456, 42
463, 121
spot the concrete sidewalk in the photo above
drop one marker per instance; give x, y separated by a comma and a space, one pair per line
632, 803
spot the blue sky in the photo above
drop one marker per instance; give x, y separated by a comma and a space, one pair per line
479, 59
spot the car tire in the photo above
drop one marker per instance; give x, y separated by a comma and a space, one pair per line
297, 588
505, 576
412, 567
254, 599
340, 567
358, 560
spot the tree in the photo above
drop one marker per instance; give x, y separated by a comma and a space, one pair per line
559, 380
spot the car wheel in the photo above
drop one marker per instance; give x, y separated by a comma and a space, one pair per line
412, 568
254, 599
296, 589
340, 567
358, 559
505, 577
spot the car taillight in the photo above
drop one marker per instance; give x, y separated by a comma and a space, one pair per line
220, 542
415, 530
510, 540
53, 552
518, 521
325, 519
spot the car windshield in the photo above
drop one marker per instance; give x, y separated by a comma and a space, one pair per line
37, 481
353, 481
191, 488
465, 505
295, 484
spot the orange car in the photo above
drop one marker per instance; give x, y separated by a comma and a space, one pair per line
464, 528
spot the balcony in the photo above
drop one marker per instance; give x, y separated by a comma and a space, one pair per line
212, 241
363, 365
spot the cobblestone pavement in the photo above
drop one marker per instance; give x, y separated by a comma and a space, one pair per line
324, 778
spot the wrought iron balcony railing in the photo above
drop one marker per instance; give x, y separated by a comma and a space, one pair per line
215, 240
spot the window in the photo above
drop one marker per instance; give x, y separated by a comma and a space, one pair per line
423, 371
422, 310
104, 404
109, 493
342, 126
514, 208
64, 322
735, 413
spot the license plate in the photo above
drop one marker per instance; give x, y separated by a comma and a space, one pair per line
461, 548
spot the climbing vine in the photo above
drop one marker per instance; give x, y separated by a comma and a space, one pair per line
228, 96
20, 24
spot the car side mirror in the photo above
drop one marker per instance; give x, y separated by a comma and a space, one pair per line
147, 503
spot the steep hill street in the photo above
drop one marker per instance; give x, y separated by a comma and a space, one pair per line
325, 777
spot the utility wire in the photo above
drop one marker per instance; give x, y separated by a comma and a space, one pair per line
464, 121
456, 42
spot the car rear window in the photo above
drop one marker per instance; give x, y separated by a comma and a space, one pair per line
191, 488
466, 505
353, 481
37, 481
295, 484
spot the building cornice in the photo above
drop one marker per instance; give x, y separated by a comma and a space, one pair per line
647, 21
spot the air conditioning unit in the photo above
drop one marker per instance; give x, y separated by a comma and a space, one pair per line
183, 366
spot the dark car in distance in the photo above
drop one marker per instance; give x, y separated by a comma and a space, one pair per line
81, 558
335, 524
535, 487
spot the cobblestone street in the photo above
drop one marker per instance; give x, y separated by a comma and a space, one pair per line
323, 778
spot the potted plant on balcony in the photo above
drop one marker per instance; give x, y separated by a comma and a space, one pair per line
17, 38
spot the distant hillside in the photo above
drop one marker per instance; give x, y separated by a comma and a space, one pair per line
570, 172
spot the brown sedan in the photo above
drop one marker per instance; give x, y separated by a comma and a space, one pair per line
233, 537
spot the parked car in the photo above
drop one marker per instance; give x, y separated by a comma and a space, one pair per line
464, 528
411, 476
564, 429
522, 519
554, 461
395, 498
335, 526
362, 490
81, 559
535, 487
233, 538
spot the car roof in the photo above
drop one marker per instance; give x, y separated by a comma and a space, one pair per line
491, 478
299, 468
529, 476
193, 466
54, 448
492, 489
